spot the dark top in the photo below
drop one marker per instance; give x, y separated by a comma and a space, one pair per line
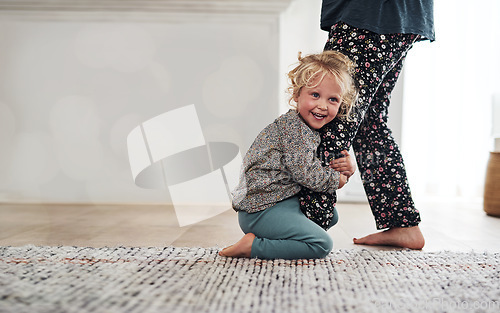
382, 16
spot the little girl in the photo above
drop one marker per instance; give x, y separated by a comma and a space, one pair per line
282, 160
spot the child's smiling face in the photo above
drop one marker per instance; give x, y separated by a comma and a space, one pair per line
319, 105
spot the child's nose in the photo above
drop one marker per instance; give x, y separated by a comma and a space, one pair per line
322, 105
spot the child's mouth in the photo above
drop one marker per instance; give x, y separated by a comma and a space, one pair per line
318, 116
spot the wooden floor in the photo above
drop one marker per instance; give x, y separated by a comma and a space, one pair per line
453, 226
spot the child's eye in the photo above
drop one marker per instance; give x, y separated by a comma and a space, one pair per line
315, 95
334, 100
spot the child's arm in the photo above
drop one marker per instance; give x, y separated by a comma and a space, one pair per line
298, 145
346, 165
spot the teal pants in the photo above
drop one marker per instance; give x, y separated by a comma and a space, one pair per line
284, 232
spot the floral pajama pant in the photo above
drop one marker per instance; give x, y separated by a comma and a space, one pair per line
379, 60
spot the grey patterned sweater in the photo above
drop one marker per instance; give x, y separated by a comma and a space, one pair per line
281, 160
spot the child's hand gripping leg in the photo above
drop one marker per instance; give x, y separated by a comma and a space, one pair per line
345, 165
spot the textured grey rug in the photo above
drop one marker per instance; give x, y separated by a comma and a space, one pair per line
72, 279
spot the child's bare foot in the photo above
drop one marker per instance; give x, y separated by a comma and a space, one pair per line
410, 237
241, 249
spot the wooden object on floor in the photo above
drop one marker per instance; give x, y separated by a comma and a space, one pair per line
492, 186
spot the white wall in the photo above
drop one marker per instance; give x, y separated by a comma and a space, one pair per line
71, 89
450, 85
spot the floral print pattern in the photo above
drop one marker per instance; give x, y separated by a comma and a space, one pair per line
379, 60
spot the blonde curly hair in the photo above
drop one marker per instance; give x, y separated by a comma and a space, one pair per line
314, 67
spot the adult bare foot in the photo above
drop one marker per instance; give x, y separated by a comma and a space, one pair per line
407, 237
241, 249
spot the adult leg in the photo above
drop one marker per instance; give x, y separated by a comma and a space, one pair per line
282, 232
376, 55
381, 167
